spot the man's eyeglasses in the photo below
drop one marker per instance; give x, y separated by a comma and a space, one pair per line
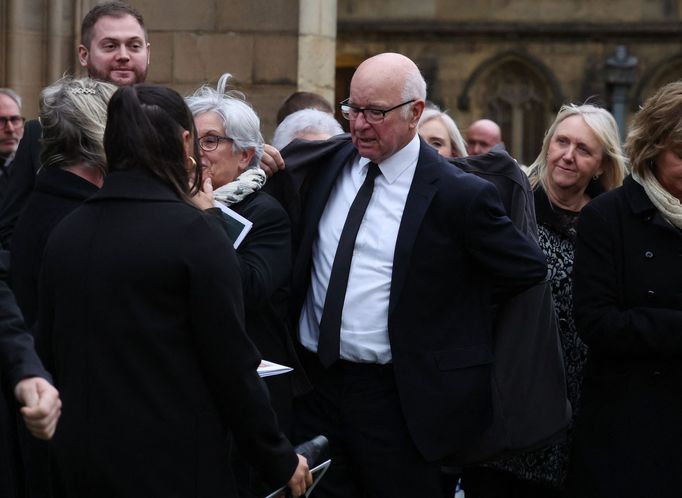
372, 116
15, 121
211, 142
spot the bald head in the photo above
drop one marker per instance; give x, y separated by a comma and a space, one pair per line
392, 72
482, 136
386, 82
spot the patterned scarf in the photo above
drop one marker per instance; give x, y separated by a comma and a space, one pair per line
247, 183
666, 203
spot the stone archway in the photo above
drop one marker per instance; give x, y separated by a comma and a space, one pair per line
519, 93
666, 71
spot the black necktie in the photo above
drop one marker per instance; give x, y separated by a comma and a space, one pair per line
330, 324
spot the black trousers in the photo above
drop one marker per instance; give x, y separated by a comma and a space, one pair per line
357, 407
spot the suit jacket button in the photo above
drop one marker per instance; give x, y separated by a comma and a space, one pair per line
648, 254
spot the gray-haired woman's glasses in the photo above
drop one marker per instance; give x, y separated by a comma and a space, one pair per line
211, 142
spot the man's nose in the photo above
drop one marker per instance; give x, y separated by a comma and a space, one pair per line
122, 53
359, 123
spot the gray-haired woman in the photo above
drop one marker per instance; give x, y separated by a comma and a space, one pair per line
231, 148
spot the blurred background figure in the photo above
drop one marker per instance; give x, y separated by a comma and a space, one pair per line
231, 147
303, 100
482, 136
440, 131
580, 158
11, 131
628, 308
306, 124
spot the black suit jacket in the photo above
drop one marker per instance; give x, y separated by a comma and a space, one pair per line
456, 250
141, 317
18, 358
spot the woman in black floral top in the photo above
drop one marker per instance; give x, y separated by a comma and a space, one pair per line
580, 158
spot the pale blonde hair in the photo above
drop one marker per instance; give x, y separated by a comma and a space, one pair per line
604, 127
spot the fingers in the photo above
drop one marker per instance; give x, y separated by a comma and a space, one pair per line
42, 407
272, 161
208, 186
301, 479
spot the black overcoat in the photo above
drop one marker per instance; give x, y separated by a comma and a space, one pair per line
628, 310
141, 319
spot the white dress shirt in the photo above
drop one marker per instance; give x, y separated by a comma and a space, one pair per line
364, 322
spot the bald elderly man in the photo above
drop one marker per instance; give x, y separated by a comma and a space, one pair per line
400, 258
482, 136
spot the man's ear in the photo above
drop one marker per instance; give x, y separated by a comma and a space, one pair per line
83, 55
416, 113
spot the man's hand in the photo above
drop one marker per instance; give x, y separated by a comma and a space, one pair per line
41, 406
301, 479
272, 161
203, 199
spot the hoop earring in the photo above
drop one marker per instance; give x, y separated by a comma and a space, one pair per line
595, 177
193, 161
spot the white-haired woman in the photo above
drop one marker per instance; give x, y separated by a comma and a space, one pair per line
581, 157
306, 124
440, 131
231, 147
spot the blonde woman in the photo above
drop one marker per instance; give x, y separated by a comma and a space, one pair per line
440, 131
580, 158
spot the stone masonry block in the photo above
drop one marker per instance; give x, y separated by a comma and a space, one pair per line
161, 52
276, 59
318, 17
316, 62
176, 15
199, 58
258, 15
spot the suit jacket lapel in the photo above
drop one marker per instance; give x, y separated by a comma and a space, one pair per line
424, 187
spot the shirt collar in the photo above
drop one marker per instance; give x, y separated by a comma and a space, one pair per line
396, 164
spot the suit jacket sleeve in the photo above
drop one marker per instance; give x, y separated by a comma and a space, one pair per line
18, 359
602, 321
229, 358
514, 261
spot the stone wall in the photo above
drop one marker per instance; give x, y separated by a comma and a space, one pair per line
271, 47
562, 45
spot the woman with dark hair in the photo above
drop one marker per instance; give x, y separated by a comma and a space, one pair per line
628, 310
142, 323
